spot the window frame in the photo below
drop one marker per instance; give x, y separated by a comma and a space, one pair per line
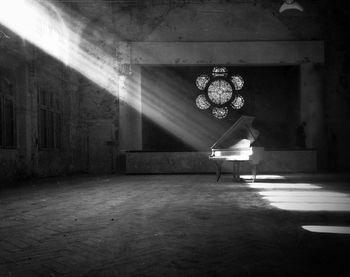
49, 103
4, 97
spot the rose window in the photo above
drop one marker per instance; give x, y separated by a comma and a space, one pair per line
220, 112
219, 92
202, 81
238, 102
202, 102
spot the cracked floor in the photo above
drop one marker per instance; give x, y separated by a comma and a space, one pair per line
171, 225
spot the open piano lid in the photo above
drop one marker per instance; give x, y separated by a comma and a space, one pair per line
241, 130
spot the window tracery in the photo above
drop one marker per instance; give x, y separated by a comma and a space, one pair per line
219, 92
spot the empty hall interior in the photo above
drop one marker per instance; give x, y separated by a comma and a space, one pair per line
174, 138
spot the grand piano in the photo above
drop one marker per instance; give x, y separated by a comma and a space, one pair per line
235, 146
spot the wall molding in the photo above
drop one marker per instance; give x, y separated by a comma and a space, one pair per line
230, 53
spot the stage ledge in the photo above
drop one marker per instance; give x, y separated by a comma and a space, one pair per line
287, 161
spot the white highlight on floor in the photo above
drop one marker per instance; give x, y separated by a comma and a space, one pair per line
315, 200
302, 197
300, 206
264, 177
327, 229
308, 200
287, 193
282, 186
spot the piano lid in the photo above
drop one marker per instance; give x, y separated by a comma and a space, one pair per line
239, 133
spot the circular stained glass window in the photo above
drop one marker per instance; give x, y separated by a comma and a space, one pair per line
202, 102
220, 92
220, 112
220, 72
202, 81
237, 102
237, 81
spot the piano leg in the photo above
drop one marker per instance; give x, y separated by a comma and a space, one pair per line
235, 171
254, 172
218, 170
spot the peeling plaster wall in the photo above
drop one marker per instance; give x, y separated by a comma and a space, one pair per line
337, 87
89, 125
92, 115
14, 162
205, 21
89, 116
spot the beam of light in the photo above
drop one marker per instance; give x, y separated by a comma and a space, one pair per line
292, 186
327, 229
56, 32
162, 101
38, 23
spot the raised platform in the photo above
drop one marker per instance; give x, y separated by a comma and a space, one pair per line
198, 162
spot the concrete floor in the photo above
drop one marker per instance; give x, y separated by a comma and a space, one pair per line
172, 225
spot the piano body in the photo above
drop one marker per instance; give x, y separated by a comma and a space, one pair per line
235, 146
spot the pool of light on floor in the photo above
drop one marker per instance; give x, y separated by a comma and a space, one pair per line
315, 200
327, 229
301, 196
295, 186
307, 194
334, 207
263, 177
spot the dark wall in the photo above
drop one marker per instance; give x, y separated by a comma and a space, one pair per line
271, 95
91, 112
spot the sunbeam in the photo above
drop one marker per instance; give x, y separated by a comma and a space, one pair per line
51, 29
58, 33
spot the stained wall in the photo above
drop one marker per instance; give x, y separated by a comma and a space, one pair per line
93, 117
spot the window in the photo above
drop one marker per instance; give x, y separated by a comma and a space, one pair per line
50, 120
7, 112
218, 92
